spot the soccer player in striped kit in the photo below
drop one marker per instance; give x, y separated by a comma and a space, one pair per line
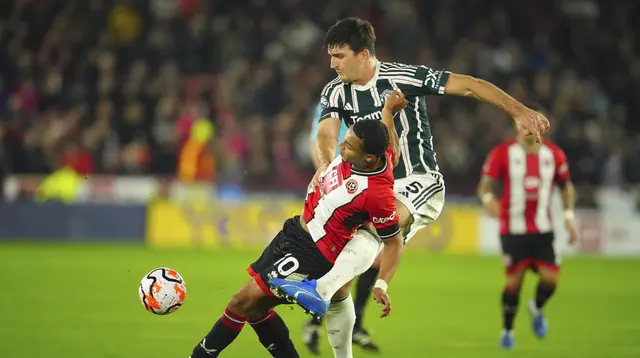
359, 92
528, 172
356, 194
311, 331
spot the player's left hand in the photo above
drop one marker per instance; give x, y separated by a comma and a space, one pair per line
571, 229
530, 122
383, 300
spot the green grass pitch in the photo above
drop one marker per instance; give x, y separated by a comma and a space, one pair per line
82, 301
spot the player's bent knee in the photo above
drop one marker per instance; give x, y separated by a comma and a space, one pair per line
514, 280
241, 305
366, 246
376, 262
245, 301
342, 292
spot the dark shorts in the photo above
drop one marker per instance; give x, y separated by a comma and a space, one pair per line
291, 254
528, 251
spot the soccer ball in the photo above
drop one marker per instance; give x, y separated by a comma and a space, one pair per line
162, 291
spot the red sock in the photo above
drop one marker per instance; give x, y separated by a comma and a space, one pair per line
221, 335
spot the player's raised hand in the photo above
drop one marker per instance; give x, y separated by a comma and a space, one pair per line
383, 300
396, 101
316, 178
530, 122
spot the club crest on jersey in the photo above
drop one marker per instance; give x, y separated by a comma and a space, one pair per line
384, 95
352, 186
324, 102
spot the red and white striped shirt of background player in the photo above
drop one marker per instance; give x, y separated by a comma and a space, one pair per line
347, 198
527, 180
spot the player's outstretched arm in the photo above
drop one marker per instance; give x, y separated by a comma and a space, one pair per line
393, 104
384, 217
389, 262
528, 121
327, 140
314, 154
390, 257
326, 144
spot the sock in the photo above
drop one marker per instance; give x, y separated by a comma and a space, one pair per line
274, 336
363, 292
221, 335
356, 257
340, 319
510, 300
543, 293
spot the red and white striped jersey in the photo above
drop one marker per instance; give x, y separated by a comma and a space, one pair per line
346, 199
527, 180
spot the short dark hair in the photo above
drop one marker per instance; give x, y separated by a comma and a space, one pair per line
374, 136
355, 32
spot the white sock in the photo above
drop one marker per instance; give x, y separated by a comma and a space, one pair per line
340, 319
356, 258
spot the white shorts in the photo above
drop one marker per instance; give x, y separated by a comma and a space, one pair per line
423, 195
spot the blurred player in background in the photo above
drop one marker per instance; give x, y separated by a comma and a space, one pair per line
358, 93
356, 189
311, 332
528, 172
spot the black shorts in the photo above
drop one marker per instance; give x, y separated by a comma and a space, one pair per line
528, 251
292, 251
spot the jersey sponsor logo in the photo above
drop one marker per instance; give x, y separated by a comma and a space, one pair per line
432, 78
531, 183
385, 219
330, 181
352, 186
374, 115
531, 187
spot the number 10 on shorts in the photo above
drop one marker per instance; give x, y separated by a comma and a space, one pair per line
287, 265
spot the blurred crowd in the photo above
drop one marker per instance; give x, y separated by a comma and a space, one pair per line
109, 86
